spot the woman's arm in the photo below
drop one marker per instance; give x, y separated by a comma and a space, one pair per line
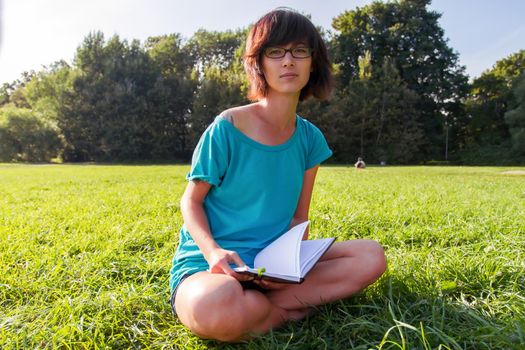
303, 205
197, 224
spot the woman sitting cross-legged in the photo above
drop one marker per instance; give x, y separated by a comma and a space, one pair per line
251, 179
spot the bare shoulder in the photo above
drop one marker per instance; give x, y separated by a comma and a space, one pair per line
239, 114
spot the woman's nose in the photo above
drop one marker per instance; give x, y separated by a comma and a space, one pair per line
288, 59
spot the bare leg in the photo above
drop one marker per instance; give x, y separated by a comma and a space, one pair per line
346, 268
215, 306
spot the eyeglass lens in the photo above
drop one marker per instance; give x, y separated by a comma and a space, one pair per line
279, 52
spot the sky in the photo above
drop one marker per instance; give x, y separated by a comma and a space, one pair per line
34, 33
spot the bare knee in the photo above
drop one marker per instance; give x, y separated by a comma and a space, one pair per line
212, 314
373, 256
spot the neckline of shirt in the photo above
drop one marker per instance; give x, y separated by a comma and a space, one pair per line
271, 148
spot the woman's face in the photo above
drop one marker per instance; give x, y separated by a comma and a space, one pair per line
287, 74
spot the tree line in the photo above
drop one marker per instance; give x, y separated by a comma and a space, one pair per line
401, 96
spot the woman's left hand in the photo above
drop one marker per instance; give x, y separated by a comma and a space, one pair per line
263, 283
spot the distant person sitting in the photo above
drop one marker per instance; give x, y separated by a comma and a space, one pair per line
360, 164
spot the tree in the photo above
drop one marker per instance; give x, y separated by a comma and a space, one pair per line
398, 136
220, 73
29, 130
45, 89
515, 117
14, 92
510, 68
170, 100
374, 117
111, 112
490, 96
486, 107
212, 48
5, 92
26, 137
408, 33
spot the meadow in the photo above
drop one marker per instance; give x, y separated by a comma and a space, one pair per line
85, 252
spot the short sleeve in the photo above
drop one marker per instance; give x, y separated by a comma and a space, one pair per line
210, 157
318, 150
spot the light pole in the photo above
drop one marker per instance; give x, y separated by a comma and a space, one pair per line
446, 141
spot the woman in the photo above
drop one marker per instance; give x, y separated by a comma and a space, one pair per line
251, 179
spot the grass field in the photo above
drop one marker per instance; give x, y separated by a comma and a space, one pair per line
85, 252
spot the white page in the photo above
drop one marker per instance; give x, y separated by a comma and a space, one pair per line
310, 251
282, 255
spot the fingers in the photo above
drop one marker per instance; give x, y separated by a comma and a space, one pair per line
237, 259
241, 277
227, 270
222, 264
270, 285
220, 267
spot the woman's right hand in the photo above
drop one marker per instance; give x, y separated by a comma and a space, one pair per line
219, 261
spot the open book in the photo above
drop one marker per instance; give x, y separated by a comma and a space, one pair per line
288, 259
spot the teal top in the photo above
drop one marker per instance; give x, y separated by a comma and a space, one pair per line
254, 193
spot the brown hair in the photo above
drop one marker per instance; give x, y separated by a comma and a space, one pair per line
283, 26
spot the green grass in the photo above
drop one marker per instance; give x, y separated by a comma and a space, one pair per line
85, 252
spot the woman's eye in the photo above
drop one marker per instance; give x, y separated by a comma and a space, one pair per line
301, 52
274, 52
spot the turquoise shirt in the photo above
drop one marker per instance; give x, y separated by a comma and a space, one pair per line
254, 193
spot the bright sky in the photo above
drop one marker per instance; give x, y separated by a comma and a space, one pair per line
37, 32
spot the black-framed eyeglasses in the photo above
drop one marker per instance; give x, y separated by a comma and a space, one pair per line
280, 52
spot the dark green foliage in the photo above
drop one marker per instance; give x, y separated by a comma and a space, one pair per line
487, 105
515, 118
374, 117
409, 34
489, 119
489, 154
490, 95
171, 98
133, 103
125, 105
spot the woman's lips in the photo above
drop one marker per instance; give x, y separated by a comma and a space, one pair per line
288, 75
